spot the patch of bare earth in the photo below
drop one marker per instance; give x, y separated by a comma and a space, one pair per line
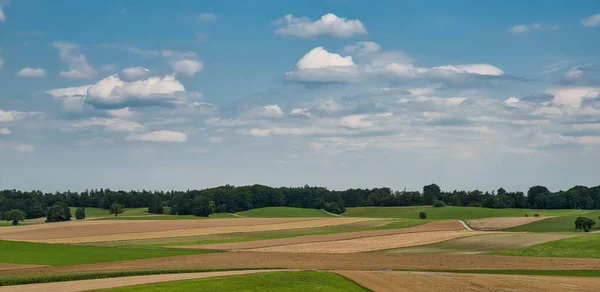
7, 267
90, 285
429, 227
503, 222
324, 261
422, 281
82, 233
372, 243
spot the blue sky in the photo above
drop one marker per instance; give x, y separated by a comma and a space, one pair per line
342, 94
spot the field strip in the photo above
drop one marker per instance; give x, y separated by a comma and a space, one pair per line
331, 261
365, 244
503, 222
485, 243
428, 227
432, 281
97, 284
7, 267
203, 231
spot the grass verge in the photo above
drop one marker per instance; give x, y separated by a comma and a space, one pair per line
278, 281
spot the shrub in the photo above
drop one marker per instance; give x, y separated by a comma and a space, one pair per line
80, 213
439, 204
536, 215
15, 216
422, 215
584, 223
526, 215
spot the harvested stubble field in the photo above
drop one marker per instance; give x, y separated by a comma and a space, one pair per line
503, 222
80, 232
425, 281
429, 227
353, 261
485, 243
371, 243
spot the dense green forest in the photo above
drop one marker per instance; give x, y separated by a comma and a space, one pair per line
230, 199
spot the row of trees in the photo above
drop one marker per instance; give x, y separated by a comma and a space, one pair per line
230, 199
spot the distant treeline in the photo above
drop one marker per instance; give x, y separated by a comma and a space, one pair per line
230, 199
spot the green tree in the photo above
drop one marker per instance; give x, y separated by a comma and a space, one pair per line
422, 215
534, 192
202, 206
116, 209
57, 213
430, 193
155, 205
80, 213
15, 216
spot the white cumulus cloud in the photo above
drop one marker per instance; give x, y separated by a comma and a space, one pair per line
573, 74
134, 73
187, 67
592, 21
79, 68
573, 96
159, 136
319, 58
363, 48
112, 91
4, 131
32, 72
328, 24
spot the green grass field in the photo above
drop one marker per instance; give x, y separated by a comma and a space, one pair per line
450, 212
559, 224
282, 212
576, 247
276, 281
14, 252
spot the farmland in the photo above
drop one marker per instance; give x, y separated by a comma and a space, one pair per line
142, 248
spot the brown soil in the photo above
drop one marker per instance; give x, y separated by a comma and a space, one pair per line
81, 232
503, 222
7, 267
433, 226
419, 281
372, 243
89, 285
353, 261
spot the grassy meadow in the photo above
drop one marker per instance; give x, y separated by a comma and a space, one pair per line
275, 281
282, 212
451, 212
576, 247
15, 252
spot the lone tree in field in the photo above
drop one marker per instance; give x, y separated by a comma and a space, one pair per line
80, 213
422, 215
116, 209
439, 204
584, 223
15, 216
